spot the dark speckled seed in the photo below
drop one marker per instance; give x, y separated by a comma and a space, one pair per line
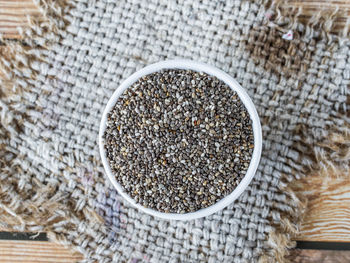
178, 141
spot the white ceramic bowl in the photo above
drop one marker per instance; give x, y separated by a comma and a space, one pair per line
200, 67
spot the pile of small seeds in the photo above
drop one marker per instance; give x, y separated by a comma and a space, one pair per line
179, 140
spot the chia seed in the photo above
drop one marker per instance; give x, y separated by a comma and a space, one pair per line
178, 140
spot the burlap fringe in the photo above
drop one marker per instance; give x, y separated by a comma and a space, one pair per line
16, 70
321, 24
331, 156
17, 61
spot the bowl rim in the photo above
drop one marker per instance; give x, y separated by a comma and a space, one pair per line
233, 84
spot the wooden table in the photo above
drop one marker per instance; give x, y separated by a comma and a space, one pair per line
328, 211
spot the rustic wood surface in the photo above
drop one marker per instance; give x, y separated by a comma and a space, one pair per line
328, 211
43, 251
319, 256
14, 14
35, 251
327, 215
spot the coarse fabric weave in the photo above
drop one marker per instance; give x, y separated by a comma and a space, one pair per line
51, 174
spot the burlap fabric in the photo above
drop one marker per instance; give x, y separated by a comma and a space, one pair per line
51, 175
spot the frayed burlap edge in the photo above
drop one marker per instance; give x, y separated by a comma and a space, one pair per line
333, 151
19, 209
321, 24
330, 157
16, 64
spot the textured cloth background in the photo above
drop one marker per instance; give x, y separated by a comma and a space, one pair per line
51, 175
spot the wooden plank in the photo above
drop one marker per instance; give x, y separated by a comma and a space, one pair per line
327, 215
35, 251
13, 14
42, 251
318, 256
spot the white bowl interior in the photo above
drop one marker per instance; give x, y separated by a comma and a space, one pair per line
233, 84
